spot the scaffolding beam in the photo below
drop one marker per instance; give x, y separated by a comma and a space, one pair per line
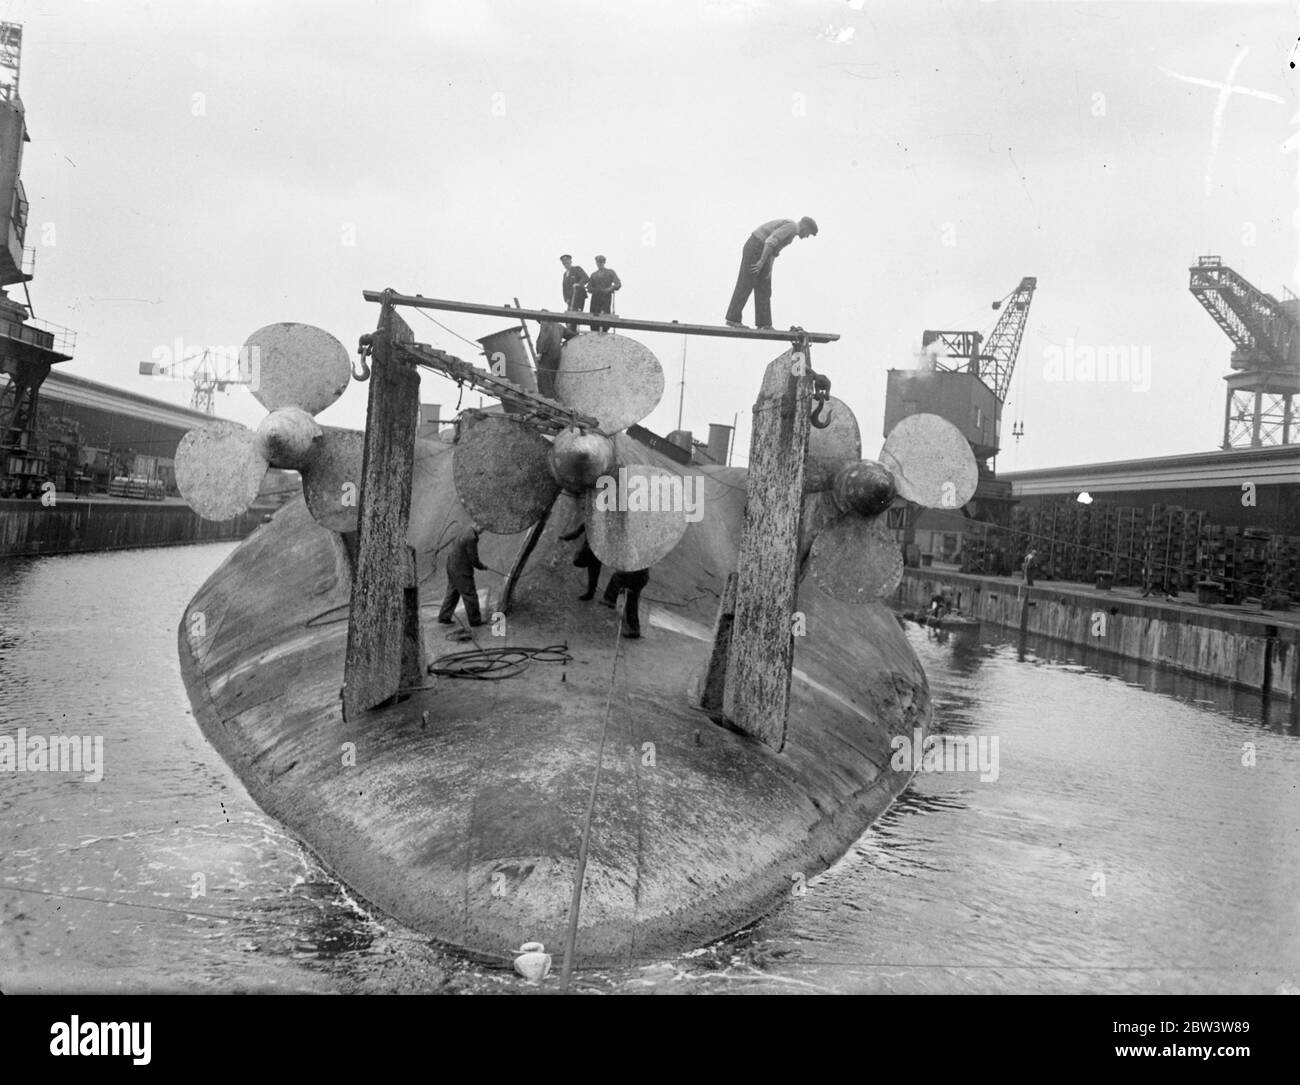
545, 316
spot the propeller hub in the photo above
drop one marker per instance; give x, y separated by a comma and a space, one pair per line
578, 459
287, 438
866, 488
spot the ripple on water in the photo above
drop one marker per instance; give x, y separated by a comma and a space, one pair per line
1123, 847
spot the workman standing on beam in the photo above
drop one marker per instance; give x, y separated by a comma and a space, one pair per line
602, 284
762, 248
462, 560
574, 287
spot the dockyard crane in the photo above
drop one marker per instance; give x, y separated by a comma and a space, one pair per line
967, 384
1265, 334
995, 363
208, 375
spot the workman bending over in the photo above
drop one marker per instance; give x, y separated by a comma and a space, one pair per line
462, 560
761, 249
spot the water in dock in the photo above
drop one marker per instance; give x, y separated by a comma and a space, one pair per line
1141, 834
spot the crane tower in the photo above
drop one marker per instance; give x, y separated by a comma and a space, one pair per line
207, 373
1265, 334
965, 378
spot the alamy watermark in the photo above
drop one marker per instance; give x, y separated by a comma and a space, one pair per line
242, 363
654, 492
1110, 365
58, 753
946, 753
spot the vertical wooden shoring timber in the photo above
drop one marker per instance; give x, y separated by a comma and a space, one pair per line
757, 697
384, 650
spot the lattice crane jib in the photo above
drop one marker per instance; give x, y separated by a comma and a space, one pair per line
207, 373
993, 360
1003, 344
1265, 333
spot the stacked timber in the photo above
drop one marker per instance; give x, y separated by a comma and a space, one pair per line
1102, 537
1284, 564
1130, 545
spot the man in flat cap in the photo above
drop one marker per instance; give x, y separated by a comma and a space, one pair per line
761, 248
602, 284
574, 287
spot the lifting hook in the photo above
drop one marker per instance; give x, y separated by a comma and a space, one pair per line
361, 371
821, 392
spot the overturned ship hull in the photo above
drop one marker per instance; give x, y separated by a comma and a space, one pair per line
459, 810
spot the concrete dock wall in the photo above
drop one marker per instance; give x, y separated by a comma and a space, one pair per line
28, 528
1246, 651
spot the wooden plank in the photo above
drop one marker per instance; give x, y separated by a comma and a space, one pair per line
379, 636
543, 316
757, 698
715, 678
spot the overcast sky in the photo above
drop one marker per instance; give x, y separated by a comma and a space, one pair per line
200, 169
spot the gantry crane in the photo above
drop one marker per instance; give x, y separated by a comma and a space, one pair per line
1265, 334
207, 374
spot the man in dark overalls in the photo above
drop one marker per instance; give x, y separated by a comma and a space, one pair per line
633, 582
550, 349
462, 560
574, 288
602, 284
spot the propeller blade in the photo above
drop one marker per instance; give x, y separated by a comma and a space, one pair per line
931, 462
830, 448
635, 516
610, 377
219, 469
503, 474
331, 483
856, 560
296, 365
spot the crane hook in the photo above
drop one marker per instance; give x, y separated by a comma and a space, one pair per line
821, 392
361, 371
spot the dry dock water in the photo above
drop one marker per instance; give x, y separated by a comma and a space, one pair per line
965, 885
1246, 649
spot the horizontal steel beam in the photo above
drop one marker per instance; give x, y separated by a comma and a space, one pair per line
545, 316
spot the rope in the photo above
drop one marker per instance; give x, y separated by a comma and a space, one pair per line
424, 313
572, 936
494, 664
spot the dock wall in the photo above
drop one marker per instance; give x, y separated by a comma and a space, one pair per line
28, 528
1243, 651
